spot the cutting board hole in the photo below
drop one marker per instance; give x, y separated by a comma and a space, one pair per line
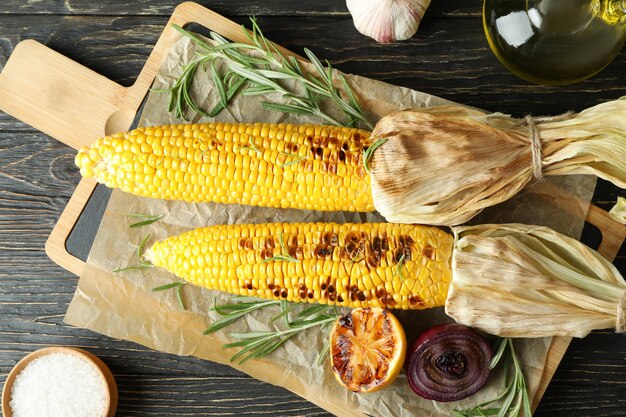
119, 121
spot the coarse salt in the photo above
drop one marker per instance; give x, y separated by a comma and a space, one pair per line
58, 385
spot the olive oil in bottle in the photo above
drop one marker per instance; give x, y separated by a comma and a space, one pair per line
555, 42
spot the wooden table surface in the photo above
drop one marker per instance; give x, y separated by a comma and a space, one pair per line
448, 57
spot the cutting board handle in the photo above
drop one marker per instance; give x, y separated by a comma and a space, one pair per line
60, 97
76, 105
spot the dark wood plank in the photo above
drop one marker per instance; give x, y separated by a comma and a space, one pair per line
448, 8
448, 57
452, 61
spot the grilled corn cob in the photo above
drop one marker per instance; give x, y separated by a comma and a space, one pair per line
356, 265
272, 165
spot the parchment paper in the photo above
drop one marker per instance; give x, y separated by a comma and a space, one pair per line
122, 305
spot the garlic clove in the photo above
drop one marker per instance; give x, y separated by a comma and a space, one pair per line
387, 20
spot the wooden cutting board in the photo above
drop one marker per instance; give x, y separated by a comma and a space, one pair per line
64, 89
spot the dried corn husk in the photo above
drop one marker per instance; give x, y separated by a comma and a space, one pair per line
618, 212
530, 281
443, 165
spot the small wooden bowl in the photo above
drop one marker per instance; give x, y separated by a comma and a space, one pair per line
101, 368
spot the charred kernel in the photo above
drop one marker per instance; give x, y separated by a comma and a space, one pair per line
342, 156
350, 247
361, 296
270, 286
340, 298
429, 252
283, 293
374, 260
332, 297
302, 294
323, 287
246, 243
331, 289
321, 251
310, 294
302, 287
384, 244
276, 293
376, 244
381, 293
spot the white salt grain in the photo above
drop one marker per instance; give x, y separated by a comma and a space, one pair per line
58, 385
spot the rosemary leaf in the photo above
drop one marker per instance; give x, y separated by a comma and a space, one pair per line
499, 352
284, 312
219, 84
369, 153
252, 335
179, 297
252, 75
168, 286
257, 90
139, 267
233, 311
285, 108
280, 258
148, 220
318, 66
312, 310
399, 266
324, 352
141, 247
269, 347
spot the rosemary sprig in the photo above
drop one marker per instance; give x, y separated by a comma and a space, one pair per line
147, 219
369, 153
235, 310
142, 264
178, 285
514, 399
258, 68
283, 256
260, 344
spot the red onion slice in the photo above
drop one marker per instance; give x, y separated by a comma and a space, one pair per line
448, 363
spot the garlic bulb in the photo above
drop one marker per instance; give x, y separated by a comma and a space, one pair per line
387, 20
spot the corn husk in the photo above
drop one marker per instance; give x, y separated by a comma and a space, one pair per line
530, 281
443, 165
618, 212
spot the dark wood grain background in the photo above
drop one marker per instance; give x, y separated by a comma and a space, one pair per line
448, 57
